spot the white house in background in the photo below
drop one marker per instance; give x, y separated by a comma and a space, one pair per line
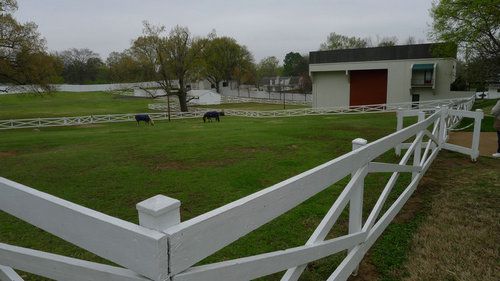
494, 90
381, 75
203, 97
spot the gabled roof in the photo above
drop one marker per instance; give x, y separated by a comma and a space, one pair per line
420, 51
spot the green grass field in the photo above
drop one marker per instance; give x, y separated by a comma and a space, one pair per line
76, 104
69, 104
111, 167
487, 122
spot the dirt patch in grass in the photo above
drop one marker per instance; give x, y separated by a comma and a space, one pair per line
487, 143
249, 149
366, 272
188, 165
5, 154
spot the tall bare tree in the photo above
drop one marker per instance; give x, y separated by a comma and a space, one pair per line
174, 56
81, 66
336, 41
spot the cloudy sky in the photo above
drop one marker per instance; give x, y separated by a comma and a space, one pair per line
272, 27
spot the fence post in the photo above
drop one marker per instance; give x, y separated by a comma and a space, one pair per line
356, 202
476, 135
399, 126
159, 212
418, 147
442, 125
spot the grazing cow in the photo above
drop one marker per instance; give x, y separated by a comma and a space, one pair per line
212, 114
145, 118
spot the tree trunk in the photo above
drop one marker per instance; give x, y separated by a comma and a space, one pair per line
182, 100
182, 96
217, 86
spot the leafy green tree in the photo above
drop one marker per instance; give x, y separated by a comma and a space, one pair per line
222, 58
336, 41
474, 26
244, 72
23, 56
293, 64
268, 67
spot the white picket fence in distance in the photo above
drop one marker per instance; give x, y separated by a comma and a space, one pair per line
198, 113
162, 247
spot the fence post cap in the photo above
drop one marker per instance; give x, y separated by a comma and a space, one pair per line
159, 212
158, 205
359, 142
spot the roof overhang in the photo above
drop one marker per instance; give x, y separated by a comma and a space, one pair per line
423, 66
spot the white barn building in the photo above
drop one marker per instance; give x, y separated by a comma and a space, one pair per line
382, 75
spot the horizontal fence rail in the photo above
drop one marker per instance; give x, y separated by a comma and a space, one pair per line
233, 99
122, 242
162, 247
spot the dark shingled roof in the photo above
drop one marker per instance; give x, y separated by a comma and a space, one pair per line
420, 51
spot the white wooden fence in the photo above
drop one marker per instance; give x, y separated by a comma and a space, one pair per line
90, 119
233, 99
425, 105
455, 115
198, 113
164, 248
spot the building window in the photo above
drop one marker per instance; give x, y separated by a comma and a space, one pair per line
428, 77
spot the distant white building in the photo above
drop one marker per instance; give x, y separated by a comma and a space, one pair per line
203, 97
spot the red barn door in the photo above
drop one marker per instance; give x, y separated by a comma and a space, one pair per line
368, 87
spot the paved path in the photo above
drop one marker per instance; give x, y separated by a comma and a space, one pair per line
487, 143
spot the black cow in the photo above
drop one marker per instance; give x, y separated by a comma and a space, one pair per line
145, 118
212, 114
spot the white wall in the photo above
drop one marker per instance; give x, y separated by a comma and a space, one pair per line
80, 88
204, 97
399, 74
247, 91
493, 91
330, 89
149, 93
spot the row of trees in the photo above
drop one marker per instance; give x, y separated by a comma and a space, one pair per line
177, 55
336, 41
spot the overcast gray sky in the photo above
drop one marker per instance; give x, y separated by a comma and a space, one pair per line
267, 28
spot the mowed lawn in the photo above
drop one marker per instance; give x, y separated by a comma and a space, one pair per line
94, 103
111, 167
69, 104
